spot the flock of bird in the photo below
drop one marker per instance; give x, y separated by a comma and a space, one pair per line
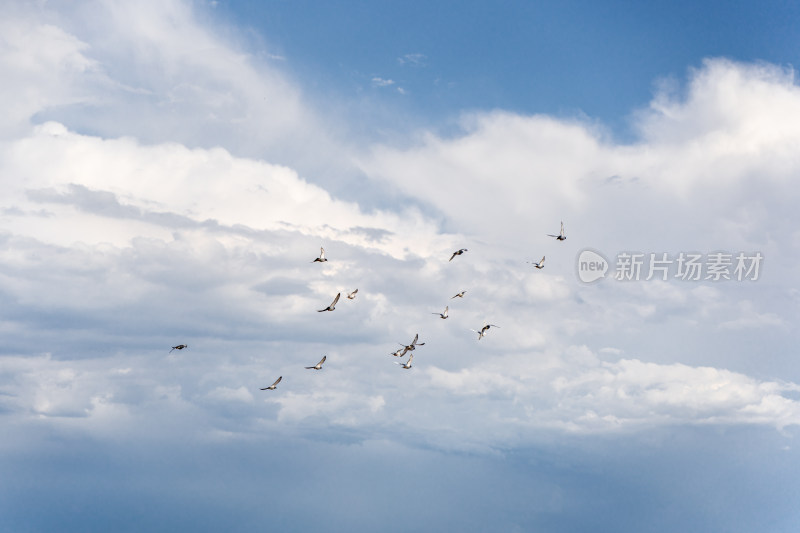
405, 348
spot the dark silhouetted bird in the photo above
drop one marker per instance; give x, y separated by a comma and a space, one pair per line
457, 252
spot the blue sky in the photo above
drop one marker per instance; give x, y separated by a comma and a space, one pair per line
169, 170
601, 59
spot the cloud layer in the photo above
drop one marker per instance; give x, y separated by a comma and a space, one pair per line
138, 212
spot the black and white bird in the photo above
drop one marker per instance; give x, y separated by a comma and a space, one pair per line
321, 258
274, 385
457, 252
560, 236
443, 315
178, 347
400, 352
459, 295
352, 295
318, 366
483, 330
332, 306
407, 364
540, 264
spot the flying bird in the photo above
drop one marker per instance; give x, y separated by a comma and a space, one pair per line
321, 258
484, 329
272, 387
178, 347
459, 295
410, 347
540, 264
318, 366
407, 364
414, 343
560, 236
457, 252
332, 306
352, 295
443, 315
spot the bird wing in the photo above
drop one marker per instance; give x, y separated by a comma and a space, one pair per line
336, 299
322, 360
416, 338
452, 256
273, 385
321, 252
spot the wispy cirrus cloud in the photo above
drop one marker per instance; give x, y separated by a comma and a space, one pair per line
413, 60
381, 82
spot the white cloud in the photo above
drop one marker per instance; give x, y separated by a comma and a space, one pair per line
228, 394
381, 82
160, 72
335, 407
36, 59
751, 318
153, 190
169, 223
414, 60
582, 394
540, 170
